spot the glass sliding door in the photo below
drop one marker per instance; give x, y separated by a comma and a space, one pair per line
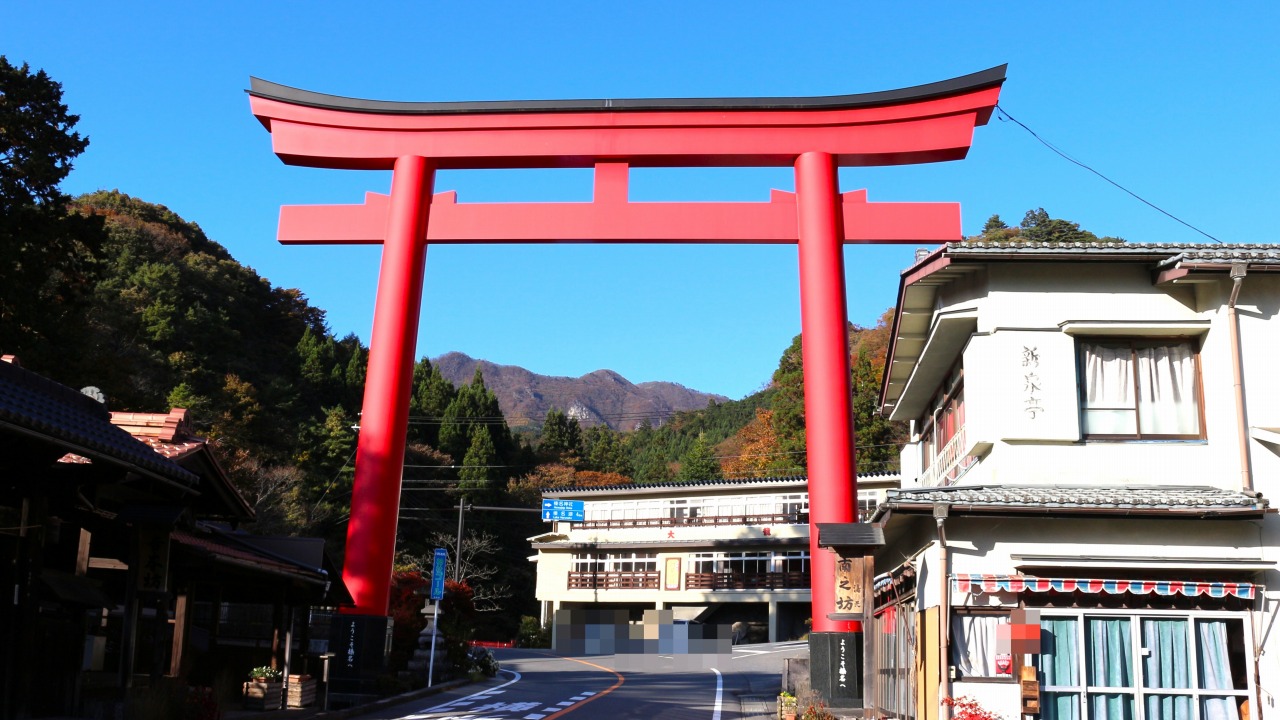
1167, 666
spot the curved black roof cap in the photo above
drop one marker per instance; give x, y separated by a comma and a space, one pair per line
992, 77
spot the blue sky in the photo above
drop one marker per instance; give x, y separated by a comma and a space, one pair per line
1175, 100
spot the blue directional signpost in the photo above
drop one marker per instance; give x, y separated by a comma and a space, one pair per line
571, 510
437, 573
437, 594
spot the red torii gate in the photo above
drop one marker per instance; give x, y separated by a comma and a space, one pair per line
815, 135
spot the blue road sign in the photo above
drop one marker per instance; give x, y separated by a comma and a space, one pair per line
571, 510
437, 573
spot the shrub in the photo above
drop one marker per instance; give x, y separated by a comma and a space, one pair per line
531, 634
481, 660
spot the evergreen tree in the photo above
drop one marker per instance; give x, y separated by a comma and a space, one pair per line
49, 258
561, 437
353, 374
650, 468
479, 472
604, 451
1037, 226
432, 394
474, 405
699, 463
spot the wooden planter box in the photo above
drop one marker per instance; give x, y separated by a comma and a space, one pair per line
302, 691
263, 695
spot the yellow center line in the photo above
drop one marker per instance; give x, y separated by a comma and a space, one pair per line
597, 696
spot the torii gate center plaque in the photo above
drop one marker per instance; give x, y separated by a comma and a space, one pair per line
814, 135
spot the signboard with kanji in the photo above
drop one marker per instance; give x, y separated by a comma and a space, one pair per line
849, 585
571, 510
437, 573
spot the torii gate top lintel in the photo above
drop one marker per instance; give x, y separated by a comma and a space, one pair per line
926, 123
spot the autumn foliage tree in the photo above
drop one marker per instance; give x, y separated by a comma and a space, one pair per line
407, 597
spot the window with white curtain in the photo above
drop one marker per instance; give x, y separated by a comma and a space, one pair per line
1145, 666
1140, 389
975, 645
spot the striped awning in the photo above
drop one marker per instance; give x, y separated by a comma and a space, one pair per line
978, 583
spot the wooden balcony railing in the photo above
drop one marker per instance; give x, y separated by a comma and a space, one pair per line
747, 581
756, 519
616, 580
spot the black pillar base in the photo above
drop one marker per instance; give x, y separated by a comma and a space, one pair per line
360, 644
835, 668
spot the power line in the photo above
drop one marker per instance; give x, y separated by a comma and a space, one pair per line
1068, 158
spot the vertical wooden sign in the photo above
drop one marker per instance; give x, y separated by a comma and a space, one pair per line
850, 585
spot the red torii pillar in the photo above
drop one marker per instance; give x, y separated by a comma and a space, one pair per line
929, 123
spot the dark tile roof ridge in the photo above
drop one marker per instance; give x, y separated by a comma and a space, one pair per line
708, 483
217, 543
36, 406
1080, 495
680, 484
1015, 246
23, 377
243, 541
1059, 486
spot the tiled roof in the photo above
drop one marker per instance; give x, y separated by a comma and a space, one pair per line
224, 549
165, 427
36, 407
1268, 253
1108, 498
658, 544
169, 434
1225, 254
720, 483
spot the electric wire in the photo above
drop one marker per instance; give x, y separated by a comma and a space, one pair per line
1068, 158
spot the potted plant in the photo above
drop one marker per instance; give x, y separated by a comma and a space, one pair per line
265, 673
265, 689
787, 706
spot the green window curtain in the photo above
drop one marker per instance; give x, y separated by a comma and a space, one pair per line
1109, 664
1167, 665
1059, 660
1215, 671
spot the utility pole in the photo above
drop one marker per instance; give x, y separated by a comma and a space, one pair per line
457, 553
462, 508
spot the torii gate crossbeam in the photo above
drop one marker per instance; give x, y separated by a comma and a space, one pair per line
815, 136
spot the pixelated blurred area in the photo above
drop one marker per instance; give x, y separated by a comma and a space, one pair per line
657, 641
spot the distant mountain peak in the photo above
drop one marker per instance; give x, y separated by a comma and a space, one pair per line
599, 397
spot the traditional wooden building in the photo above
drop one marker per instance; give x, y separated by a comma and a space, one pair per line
123, 558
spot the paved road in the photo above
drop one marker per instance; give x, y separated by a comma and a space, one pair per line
539, 685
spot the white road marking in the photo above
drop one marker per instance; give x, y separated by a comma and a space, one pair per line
719, 693
472, 697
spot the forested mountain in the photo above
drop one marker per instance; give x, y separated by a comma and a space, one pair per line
602, 397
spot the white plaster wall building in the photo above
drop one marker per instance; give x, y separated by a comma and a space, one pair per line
1095, 438
720, 552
